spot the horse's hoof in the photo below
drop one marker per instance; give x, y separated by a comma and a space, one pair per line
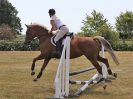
32, 73
115, 75
104, 87
36, 79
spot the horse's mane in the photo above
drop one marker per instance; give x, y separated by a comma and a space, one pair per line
39, 25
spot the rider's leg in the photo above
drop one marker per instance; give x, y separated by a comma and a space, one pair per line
64, 30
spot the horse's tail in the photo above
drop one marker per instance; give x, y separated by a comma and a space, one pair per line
107, 47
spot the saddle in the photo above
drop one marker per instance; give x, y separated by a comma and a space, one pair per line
59, 44
62, 39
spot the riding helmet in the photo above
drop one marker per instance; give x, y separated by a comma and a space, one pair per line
51, 12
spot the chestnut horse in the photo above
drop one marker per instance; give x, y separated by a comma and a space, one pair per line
87, 46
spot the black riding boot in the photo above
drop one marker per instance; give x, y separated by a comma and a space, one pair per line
58, 48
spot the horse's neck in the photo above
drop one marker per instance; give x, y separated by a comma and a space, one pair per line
42, 37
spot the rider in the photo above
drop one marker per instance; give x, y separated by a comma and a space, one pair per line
57, 24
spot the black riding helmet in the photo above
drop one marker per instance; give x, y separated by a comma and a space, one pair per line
51, 12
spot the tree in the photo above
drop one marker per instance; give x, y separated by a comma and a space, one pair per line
92, 23
8, 15
124, 25
108, 33
6, 33
95, 25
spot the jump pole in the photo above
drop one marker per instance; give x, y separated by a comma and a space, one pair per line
62, 76
81, 71
93, 79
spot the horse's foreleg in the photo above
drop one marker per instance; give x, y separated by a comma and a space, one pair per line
34, 61
46, 61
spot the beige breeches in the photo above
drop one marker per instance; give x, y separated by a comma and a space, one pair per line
60, 33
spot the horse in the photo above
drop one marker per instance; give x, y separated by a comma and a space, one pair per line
87, 46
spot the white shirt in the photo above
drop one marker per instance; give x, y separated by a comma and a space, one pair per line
57, 21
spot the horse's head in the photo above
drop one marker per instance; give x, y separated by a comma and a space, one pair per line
30, 34
34, 30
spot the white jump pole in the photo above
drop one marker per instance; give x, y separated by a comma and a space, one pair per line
62, 75
67, 65
58, 79
104, 68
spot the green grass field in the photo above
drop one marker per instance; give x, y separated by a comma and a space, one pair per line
17, 83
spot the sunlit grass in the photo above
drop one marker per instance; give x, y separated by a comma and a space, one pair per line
16, 82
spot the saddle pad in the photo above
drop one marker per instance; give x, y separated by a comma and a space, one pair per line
62, 39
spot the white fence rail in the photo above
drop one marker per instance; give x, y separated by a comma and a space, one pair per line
62, 75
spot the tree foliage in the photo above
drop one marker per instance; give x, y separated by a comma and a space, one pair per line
6, 33
108, 33
92, 23
95, 25
8, 15
124, 24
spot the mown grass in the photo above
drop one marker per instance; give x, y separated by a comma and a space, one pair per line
16, 82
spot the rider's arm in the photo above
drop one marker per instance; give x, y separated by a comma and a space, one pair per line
53, 28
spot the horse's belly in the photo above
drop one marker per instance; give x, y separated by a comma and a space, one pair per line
74, 53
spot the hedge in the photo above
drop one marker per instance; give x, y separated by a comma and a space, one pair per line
18, 46
34, 46
123, 46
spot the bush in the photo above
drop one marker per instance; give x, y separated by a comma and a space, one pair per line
123, 46
83, 34
34, 46
18, 46
6, 33
108, 34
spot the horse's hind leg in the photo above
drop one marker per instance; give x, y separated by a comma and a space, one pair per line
105, 61
96, 64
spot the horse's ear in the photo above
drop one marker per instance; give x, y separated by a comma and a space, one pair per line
27, 25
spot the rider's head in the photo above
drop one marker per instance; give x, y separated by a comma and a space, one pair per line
51, 12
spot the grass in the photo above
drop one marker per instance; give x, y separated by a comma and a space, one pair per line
16, 82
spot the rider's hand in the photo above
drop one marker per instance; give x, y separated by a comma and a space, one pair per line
50, 32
